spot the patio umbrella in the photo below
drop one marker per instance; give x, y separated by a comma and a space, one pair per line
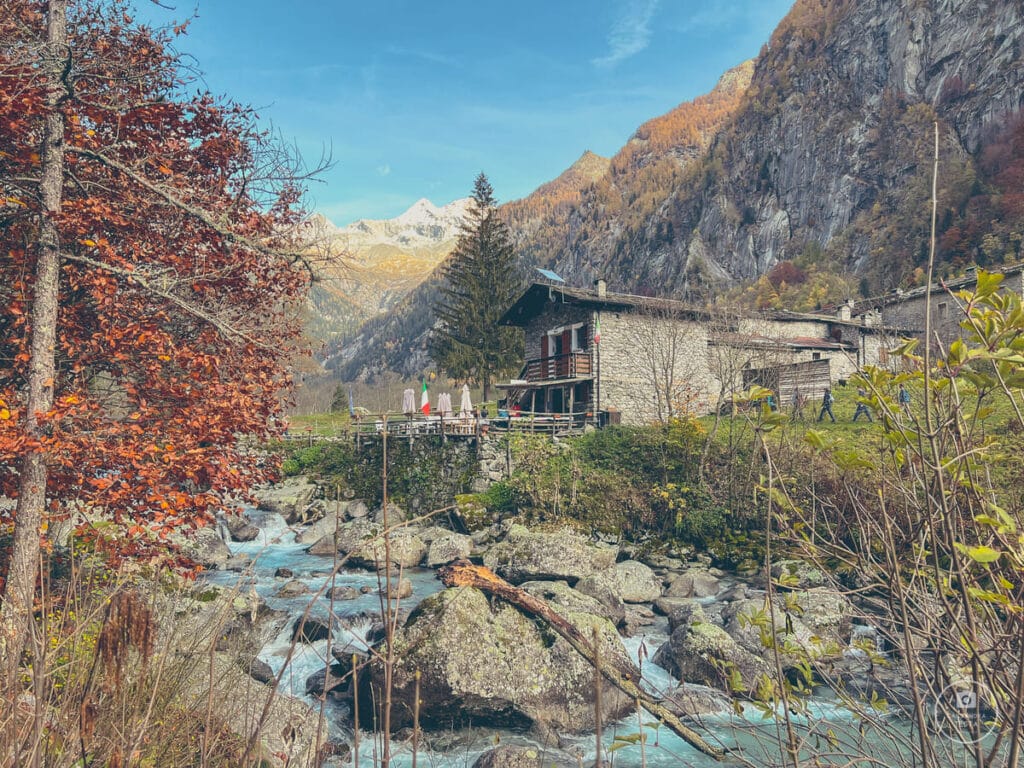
444, 404
408, 402
466, 406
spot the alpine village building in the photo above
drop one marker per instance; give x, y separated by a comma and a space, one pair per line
598, 357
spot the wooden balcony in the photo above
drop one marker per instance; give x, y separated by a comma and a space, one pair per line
568, 366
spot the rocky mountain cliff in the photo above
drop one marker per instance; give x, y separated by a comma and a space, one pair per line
830, 148
818, 151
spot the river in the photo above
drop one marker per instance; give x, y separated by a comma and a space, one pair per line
751, 732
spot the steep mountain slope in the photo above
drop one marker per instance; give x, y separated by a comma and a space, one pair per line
829, 148
375, 263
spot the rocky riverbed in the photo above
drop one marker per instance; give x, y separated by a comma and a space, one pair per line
489, 674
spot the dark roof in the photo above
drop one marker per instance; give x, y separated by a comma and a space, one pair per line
792, 342
953, 284
537, 295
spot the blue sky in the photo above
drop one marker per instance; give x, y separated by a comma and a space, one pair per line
413, 99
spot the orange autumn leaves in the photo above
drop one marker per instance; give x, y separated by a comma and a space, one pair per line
178, 284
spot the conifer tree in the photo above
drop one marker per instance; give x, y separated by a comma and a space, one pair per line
481, 280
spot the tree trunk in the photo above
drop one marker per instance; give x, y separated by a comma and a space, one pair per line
462, 573
19, 590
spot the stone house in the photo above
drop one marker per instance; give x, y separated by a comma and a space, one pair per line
607, 356
906, 309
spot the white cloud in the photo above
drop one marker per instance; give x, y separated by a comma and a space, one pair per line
384, 170
630, 33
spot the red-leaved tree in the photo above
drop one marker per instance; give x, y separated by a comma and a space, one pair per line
149, 283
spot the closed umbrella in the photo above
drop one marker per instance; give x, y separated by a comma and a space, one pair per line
444, 404
409, 402
466, 406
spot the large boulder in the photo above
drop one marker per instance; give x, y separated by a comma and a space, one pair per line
207, 548
325, 526
695, 582
363, 542
240, 527
700, 651
633, 582
288, 498
798, 574
816, 628
486, 663
565, 600
526, 555
691, 700
511, 756
447, 546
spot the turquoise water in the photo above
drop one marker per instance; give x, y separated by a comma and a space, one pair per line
826, 732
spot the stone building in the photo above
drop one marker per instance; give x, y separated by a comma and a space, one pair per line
906, 309
599, 356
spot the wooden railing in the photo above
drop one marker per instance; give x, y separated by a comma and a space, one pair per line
567, 366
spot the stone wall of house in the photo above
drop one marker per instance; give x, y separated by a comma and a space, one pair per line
908, 312
636, 354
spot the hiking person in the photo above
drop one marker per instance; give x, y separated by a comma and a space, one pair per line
799, 401
826, 406
903, 398
862, 407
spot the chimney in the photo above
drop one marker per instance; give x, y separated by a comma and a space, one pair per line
845, 310
602, 287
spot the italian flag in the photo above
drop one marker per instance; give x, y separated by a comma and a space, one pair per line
597, 330
425, 400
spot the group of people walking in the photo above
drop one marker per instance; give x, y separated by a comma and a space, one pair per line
828, 400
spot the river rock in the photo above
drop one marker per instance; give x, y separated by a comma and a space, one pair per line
357, 509
288, 497
702, 652
526, 555
260, 671
310, 629
602, 590
362, 541
564, 600
666, 606
695, 582
747, 620
447, 546
634, 582
313, 532
293, 588
487, 663
325, 680
284, 573
240, 528
342, 593
236, 563
395, 514
523, 757
797, 574
693, 700
207, 548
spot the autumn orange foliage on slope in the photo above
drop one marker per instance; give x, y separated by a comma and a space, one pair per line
178, 280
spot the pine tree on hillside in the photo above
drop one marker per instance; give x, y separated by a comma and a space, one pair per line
481, 280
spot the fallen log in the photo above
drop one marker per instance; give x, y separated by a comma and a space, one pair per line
462, 573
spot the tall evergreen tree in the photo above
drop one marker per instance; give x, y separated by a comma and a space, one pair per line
481, 280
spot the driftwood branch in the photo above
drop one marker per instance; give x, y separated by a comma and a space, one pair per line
464, 574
